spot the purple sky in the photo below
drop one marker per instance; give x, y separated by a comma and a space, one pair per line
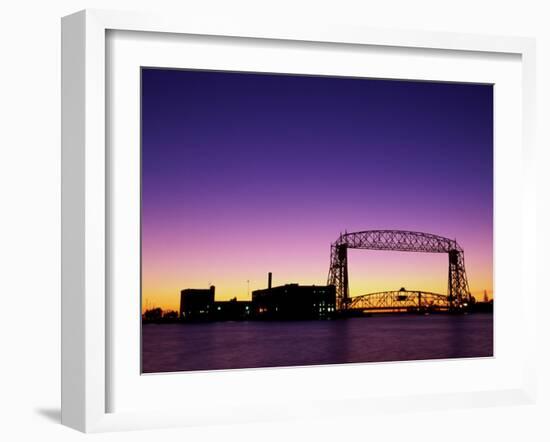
249, 173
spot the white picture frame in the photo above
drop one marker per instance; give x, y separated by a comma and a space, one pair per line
86, 353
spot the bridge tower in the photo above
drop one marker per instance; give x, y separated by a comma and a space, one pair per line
339, 274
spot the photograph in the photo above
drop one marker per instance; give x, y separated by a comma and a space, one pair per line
292, 220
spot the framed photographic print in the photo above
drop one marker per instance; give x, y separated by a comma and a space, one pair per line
264, 223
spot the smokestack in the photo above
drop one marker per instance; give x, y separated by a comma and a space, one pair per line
269, 278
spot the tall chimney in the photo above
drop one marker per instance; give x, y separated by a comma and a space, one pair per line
269, 278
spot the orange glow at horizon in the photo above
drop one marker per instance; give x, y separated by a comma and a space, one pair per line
369, 272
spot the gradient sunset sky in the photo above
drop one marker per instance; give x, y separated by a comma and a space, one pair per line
244, 173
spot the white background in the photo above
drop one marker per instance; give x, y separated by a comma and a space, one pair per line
30, 217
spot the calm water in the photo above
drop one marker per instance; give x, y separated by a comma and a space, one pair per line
223, 345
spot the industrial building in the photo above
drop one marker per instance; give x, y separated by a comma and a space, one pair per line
285, 302
232, 310
197, 304
200, 305
294, 301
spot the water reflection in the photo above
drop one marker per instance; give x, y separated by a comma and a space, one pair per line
226, 345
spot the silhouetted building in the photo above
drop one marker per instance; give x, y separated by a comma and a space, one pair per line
232, 310
197, 304
482, 307
294, 301
290, 301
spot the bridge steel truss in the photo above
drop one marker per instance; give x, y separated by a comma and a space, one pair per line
458, 291
400, 300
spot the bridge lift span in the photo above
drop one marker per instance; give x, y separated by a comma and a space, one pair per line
458, 291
